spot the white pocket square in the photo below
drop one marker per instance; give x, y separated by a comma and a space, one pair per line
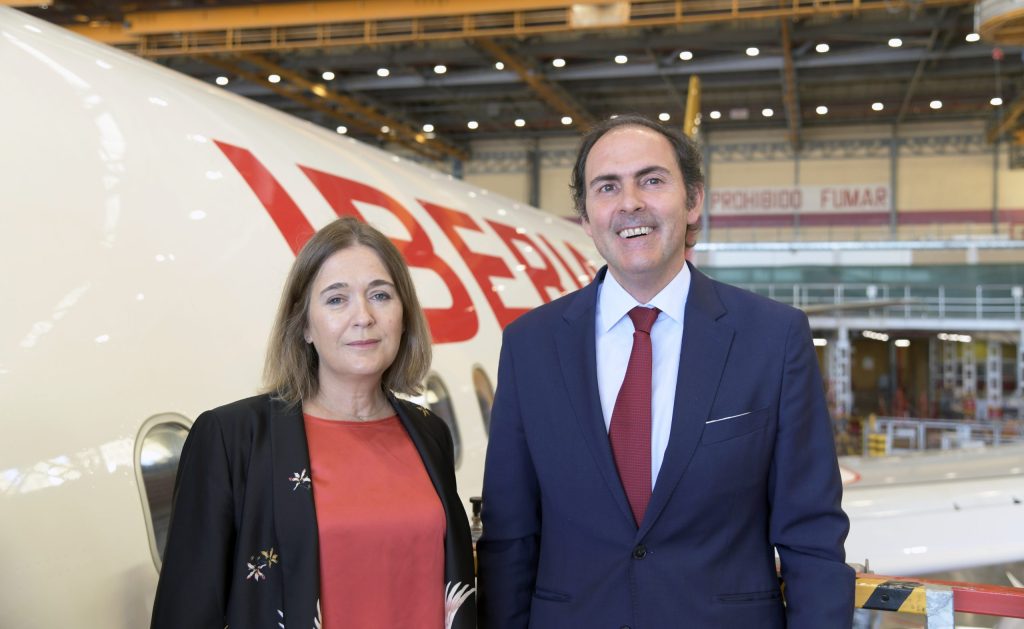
722, 419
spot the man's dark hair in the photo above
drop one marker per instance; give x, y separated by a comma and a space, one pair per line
687, 156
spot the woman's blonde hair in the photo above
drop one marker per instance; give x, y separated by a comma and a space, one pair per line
290, 371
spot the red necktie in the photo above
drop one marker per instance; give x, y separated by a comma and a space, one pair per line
630, 431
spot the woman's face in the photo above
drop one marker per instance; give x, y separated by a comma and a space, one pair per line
355, 317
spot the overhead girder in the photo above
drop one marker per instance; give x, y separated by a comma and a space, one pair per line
1012, 115
919, 72
552, 94
292, 26
318, 97
790, 95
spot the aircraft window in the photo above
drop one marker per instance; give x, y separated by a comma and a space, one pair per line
484, 395
157, 452
440, 402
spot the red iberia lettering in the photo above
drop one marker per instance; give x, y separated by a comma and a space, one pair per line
584, 263
544, 277
483, 266
283, 211
447, 325
561, 260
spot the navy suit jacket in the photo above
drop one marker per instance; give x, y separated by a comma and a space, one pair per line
560, 548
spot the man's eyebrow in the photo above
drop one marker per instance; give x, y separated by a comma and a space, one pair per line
646, 170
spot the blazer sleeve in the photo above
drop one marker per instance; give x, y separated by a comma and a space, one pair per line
507, 553
808, 526
193, 587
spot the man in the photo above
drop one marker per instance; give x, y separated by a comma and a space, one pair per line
653, 492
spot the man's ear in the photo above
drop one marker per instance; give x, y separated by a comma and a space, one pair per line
695, 206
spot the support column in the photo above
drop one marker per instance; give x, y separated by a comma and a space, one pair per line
950, 366
969, 383
994, 381
533, 158
934, 376
839, 380
1020, 366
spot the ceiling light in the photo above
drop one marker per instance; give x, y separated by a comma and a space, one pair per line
385, 129
566, 120
428, 128
821, 110
686, 55
664, 116
222, 80
901, 342
820, 342
558, 62
620, 59
715, 115
328, 75
499, 65
273, 78
342, 129
935, 104
822, 47
319, 90
440, 68
895, 42
383, 72
753, 52
877, 106
520, 122
472, 124
972, 37
996, 101
767, 112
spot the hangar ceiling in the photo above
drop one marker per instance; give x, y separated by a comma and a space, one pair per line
420, 74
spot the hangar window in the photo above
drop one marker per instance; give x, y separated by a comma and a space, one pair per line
484, 395
440, 402
157, 452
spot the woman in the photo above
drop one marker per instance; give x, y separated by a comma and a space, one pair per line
327, 501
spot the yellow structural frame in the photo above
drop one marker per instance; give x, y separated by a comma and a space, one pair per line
293, 26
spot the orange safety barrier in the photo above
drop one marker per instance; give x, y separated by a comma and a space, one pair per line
975, 598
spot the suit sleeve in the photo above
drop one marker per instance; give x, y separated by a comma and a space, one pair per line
508, 550
808, 526
193, 586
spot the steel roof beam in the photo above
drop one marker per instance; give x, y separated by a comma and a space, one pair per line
790, 95
552, 94
919, 72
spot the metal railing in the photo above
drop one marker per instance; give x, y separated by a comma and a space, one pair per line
1003, 302
894, 435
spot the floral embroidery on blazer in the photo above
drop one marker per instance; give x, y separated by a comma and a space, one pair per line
241, 482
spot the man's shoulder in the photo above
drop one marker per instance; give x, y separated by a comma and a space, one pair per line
544, 318
750, 305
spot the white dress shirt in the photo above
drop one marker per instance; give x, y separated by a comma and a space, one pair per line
614, 332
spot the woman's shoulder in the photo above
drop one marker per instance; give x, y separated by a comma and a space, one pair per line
243, 414
422, 415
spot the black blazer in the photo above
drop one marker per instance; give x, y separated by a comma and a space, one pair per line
242, 550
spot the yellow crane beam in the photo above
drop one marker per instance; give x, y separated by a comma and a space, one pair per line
790, 97
305, 25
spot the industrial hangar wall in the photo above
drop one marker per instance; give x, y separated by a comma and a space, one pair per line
938, 180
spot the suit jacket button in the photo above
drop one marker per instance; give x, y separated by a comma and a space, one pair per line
640, 552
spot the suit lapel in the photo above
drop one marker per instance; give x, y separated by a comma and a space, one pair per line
706, 344
577, 355
294, 513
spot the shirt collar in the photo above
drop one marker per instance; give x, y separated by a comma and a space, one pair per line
614, 302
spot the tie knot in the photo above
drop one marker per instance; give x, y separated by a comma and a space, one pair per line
643, 318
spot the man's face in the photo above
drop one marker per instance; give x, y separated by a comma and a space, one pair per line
636, 208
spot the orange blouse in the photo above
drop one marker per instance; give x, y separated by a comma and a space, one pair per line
381, 526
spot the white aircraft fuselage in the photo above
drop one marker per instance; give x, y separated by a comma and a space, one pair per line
148, 225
